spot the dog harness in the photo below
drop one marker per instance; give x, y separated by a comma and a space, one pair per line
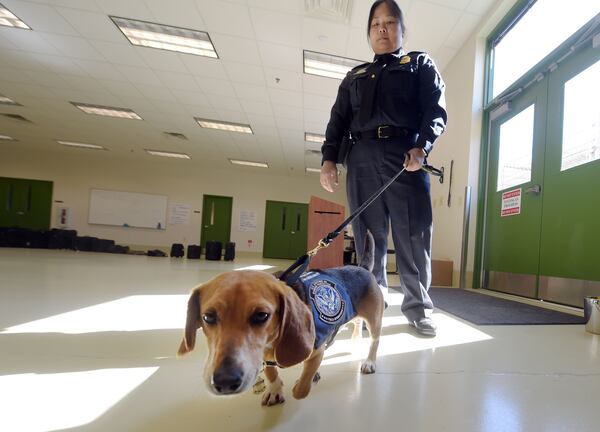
330, 304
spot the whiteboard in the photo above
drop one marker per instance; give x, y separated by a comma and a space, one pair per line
128, 209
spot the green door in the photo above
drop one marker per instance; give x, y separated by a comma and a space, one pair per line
216, 219
285, 230
545, 169
569, 260
25, 203
514, 207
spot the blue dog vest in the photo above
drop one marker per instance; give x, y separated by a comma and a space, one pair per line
330, 304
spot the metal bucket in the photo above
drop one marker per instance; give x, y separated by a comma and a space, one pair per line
591, 314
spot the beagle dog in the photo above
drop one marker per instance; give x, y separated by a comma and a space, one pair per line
251, 318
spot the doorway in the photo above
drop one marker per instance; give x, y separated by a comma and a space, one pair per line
542, 230
25, 203
216, 219
285, 230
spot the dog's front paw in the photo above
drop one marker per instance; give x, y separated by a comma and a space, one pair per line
301, 390
274, 393
368, 367
273, 398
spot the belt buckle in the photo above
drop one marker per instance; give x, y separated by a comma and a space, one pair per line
380, 133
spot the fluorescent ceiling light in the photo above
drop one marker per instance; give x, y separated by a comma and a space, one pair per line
167, 154
314, 137
316, 170
226, 126
7, 18
81, 145
166, 37
4, 100
107, 111
249, 163
328, 65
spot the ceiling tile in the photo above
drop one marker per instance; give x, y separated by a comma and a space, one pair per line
27, 40
441, 18
92, 25
291, 7
480, 7
75, 47
134, 9
244, 73
255, 107
204, 66
214, 86
286, 97
178, 81
283, 79
466, 25
41, 18
185, 14
281, 56
321, 85
226, 17
98, 69
235, 48
252, 92
316, 102
119, 53
224, 103
139, 75
273, 26
324, 36
163, 60
455, 4
159, 93
197, 98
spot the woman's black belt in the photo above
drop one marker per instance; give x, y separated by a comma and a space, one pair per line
383, 132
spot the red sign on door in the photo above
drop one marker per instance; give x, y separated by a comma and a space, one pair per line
511, 203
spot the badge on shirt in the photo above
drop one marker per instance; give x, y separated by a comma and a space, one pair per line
361, 70
404, 59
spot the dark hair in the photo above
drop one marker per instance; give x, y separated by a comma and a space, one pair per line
394, 8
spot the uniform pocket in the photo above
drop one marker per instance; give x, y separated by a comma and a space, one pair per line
356, 88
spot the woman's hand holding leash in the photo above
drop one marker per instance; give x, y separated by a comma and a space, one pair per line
329, 176
414, 159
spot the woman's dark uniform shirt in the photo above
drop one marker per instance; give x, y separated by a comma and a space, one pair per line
409, 94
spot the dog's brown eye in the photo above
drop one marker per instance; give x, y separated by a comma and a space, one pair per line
209, 318
259, 317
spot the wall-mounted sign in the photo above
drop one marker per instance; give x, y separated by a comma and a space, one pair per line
511, 203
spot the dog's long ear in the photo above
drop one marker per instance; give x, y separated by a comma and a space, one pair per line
297, 330
192, 323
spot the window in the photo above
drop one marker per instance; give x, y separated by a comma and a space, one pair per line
516, 144
581, 119
541, 27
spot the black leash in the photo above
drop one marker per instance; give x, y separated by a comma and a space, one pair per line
294, 271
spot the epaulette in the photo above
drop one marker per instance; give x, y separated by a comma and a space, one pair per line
359, 69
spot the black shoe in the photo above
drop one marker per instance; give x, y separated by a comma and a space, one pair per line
424, 326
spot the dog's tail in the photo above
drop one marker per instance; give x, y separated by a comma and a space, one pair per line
367, 260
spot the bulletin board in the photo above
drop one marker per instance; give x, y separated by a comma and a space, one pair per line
127, 209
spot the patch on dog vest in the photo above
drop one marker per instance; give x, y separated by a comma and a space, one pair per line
330, 303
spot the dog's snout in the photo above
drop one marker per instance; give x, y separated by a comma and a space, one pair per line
228, 378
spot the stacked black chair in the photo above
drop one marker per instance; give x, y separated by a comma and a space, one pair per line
213, 250
229, 251
177, 250
194, 251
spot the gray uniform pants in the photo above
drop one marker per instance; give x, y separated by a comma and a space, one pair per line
406, 205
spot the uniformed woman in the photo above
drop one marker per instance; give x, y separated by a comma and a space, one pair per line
392, 110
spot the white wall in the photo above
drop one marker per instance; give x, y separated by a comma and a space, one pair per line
464, 77
76, 172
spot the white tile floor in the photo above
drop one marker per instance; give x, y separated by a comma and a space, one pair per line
87, 343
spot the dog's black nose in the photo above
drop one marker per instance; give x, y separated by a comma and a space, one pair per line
227, 380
